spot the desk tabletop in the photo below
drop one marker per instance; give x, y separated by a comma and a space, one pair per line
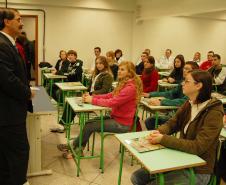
41, 102
152, 107
52, 76
166, 84
164, 73
85, 107
219, 96
71, 86
163, 160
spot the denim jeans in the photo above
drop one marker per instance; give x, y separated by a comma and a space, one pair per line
143, 177
94, 125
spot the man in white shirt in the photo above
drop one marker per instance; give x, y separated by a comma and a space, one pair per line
166, 61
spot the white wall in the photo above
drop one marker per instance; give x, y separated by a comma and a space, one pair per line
181, 34
29, 27
83, 29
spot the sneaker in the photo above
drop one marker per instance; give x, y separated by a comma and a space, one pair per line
62, 147
77, 152
67, 155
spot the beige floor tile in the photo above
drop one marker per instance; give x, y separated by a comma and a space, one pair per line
64, 171
56, 179
112, 172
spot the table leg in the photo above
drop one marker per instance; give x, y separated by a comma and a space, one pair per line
192, 176
82, 122
102, 143
161, 179
51, 87
156, 119
121, 164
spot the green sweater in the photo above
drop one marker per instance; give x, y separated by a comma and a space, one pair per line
174, 97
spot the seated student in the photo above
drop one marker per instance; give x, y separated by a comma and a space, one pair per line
166, 61
174, 97
176, 76
218, 73
199, 122
197, 58
112, 63
140, 66
62, 64
221, 164
101, 84
118, 56
97, 53
74, 72
102, 77
205, 65
123, 101
150, 75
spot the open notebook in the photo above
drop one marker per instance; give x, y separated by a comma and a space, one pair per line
143, 145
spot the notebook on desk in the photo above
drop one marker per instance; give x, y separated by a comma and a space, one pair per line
143, 145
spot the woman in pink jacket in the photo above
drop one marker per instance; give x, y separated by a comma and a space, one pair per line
123, 101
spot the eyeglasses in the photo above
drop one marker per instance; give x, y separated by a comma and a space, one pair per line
187, 81
18, 19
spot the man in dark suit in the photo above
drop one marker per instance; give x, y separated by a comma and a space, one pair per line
14, 97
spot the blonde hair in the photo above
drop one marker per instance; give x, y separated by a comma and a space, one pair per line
111, 54
131, 76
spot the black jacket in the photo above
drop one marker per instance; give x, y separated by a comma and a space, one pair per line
64, 67
140, 68
14, 88
75, 71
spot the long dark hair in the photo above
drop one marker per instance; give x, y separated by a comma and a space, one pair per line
205, 78
177, 73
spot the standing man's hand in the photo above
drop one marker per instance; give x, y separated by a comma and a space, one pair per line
32, 94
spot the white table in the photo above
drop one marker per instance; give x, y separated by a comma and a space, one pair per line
158, 161
72, 105
156, 109
41, 107
51, 77
166, 84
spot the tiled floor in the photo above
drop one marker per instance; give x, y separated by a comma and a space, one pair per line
64, 171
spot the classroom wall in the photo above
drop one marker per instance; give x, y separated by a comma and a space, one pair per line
184, 35
81, 25
83, 29
112, 24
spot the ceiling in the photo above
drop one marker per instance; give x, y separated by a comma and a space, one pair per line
151, 9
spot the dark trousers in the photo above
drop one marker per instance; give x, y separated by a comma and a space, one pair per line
150, 122
14, 154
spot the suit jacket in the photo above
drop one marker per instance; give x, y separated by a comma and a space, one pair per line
14, 88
